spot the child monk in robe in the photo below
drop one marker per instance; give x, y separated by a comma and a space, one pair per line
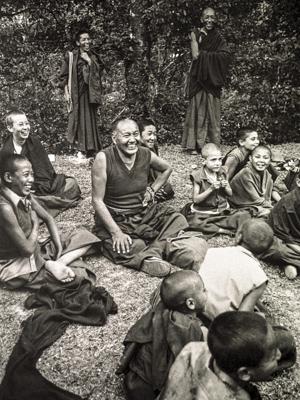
242, 347
158, 336
252, 187
210, 212
23, 263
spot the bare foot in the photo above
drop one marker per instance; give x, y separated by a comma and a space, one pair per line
60, 271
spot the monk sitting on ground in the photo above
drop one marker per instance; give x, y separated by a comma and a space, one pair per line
149, 139
135, 231
22, 262
252, 187
285, 221
56, 191
154, 341
210, 212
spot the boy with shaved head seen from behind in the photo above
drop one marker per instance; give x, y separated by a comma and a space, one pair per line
160, 334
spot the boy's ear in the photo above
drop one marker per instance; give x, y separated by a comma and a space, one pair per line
244, 374
113, 138
190, 303
298, 182
10, 128
7, 177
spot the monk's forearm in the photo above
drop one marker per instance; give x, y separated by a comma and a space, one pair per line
105, 216
199, 198
161, 179
29, 247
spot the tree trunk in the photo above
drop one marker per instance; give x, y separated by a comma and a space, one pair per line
137, 68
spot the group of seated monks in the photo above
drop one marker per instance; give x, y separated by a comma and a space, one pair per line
204, 335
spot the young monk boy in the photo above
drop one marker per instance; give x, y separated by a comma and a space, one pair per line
160, 334
56, 191
241, 347
149, 139
22, 262
210, 212
252, 187
237, 158
210, 185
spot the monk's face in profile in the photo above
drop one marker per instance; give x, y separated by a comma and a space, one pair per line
127, 137
208, 18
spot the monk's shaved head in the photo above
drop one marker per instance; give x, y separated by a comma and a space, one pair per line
123, 124
256, 235
208, 10
209, 149
178, 287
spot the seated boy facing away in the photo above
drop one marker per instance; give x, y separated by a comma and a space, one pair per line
285, 221
242, 347
232, 275
210, 213
237, 158
154, 341
22, 261
149, 139
252, 187
56, 191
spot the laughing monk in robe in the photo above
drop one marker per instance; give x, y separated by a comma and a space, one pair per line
23, 262
55, 192
252, 187
135, 231
207, 76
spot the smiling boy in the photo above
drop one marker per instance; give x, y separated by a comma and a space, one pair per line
56, 191
252, 187
22, 262
237, 158
149, 139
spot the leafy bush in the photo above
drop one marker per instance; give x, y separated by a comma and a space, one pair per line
145, 47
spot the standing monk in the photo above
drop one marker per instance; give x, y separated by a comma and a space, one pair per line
80, 77
207, 76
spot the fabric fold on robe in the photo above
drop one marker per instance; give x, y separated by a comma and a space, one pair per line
285, 217
57, 305
210, 69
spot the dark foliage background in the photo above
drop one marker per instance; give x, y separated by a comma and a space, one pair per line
145, 47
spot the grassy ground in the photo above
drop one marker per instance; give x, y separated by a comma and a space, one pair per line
84, 359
